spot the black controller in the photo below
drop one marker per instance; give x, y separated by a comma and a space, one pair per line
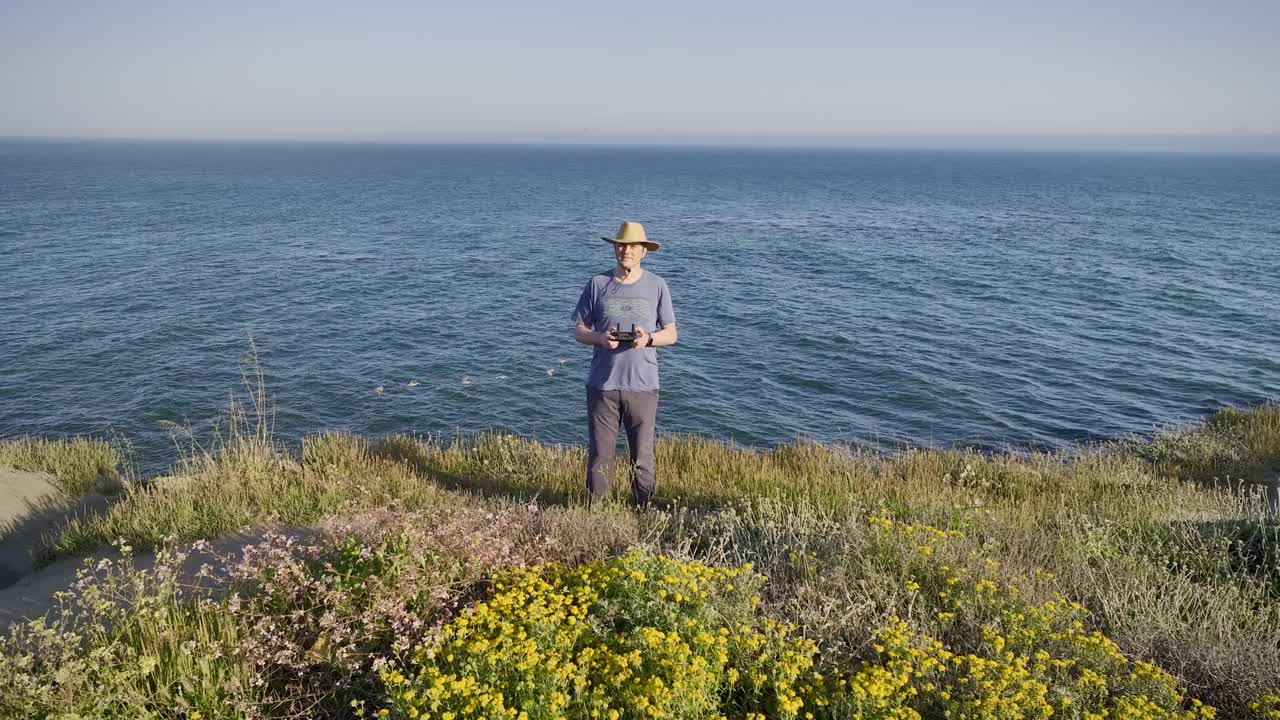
625, 336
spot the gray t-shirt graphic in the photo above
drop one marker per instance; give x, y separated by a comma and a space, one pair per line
605, 302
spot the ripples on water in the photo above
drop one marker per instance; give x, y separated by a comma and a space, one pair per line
881, 297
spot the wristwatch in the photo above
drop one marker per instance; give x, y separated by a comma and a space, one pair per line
649, 341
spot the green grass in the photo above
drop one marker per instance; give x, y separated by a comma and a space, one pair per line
78, 465
247, 479
1231, 444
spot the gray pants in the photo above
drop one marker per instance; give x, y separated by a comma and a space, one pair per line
638, 411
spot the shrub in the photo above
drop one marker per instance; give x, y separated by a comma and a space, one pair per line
1024, 659
638, 636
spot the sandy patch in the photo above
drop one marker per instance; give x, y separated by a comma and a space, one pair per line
33, 594
31, 507
19, 489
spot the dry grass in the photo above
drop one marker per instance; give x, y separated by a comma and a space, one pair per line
245, 478
79, 465
1232, 444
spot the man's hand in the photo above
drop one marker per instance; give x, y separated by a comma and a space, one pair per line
608, 340
642, 338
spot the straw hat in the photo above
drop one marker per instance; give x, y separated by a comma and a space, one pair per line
630, 233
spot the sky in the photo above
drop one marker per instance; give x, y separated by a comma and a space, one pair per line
1119, 72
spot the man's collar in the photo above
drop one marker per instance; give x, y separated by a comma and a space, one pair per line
638, 272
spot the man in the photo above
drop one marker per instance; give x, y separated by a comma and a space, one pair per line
623, 382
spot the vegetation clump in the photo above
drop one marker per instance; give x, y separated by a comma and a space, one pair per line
638, 636
78, 465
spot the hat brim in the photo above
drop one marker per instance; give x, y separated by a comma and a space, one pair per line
649, 244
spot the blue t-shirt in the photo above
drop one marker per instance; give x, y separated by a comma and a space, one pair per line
606, 303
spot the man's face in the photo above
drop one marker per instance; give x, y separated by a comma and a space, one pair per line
629, 254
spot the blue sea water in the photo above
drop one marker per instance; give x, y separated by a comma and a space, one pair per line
881, 297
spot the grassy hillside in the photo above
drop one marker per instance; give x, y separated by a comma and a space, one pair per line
1133, 579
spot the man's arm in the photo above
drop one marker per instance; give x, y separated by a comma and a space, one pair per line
666, 317
665, 336
587, 336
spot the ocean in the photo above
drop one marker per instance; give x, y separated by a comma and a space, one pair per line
1003, 300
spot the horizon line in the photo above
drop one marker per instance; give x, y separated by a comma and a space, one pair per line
1223, 143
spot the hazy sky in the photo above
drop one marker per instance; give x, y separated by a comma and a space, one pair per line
601, 71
